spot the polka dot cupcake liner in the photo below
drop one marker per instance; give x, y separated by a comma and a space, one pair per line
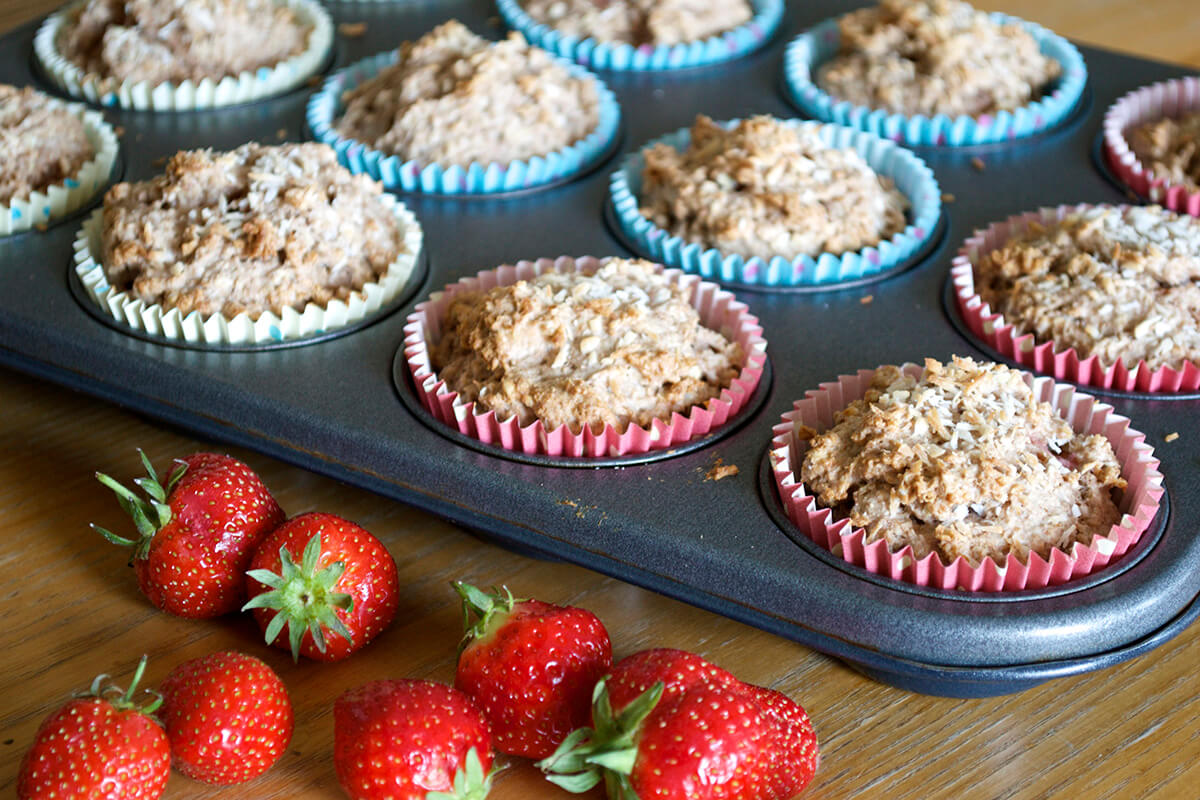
290, 325
718, 310
624, 57
1041, 356
72, 193
910, 174
1166, 99
397, 174
1139, 502
805, 55
187, 95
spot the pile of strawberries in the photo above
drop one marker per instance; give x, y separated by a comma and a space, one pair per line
533, 680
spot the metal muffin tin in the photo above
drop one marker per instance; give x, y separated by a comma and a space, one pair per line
333, 406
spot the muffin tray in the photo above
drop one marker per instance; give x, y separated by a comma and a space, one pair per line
334, 406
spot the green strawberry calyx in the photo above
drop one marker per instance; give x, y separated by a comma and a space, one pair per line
489, 610
607, 751
303, 597
122, 699
470, 782
149, 515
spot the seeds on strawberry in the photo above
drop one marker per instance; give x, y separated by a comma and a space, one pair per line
100, 745
228, 716
342, 594
196, 532
530, 666
410, 740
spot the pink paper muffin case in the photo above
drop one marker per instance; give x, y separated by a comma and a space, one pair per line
1046, 357
1139, 503
1165, 99
718, 310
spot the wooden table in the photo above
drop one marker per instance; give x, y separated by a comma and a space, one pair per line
72, 608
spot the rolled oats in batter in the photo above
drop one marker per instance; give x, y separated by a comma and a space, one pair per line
641, 22
963, 462
178, 40
1121, 284
41, 143
1170, 149
453, 98
765, 188
256, 229
618, 347
935, 57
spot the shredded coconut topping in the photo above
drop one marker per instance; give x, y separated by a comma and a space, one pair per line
42, 142
641, 22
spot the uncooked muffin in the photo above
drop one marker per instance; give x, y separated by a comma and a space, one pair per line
1170, 149
963, 462
42, 143
1119, 283
177, 40
765, 188
935, 57
641, 22
257, 229
455, 98
616, 347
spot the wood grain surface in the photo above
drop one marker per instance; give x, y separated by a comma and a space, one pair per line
72, 609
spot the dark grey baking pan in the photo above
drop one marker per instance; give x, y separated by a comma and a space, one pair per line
334, 406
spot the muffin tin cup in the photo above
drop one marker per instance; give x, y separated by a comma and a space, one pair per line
188, 95
219, 331
41, 208
625, 57
397, 174
718, 310
805, 55
910, 174
1046, 357
1139, 502
1166, 99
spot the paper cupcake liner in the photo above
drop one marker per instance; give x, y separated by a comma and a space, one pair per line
624, 57
1166, 99
188, 95
811, 49
910, 173
718, 310
410, 176
269, 328
1139, 503
1046, 357
55, 202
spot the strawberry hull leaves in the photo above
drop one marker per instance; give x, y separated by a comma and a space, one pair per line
195, 532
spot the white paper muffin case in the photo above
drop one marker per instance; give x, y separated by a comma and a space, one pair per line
60, 199
1139, 502
188, 95
910, 174
718, 310
396, 174
196, 329
807, 52
625, 57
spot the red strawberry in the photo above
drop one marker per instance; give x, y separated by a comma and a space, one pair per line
410, 740
346, 585
531, 666
668, 725
228, 716
101, 746
196, 533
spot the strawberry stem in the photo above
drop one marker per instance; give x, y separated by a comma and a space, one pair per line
122, 699
469, 781
149, 515
488, 609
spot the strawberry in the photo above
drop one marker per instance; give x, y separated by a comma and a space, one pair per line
196, 533
531, 667
228, 716
346, 585
668, 725
410, 740
100, 746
